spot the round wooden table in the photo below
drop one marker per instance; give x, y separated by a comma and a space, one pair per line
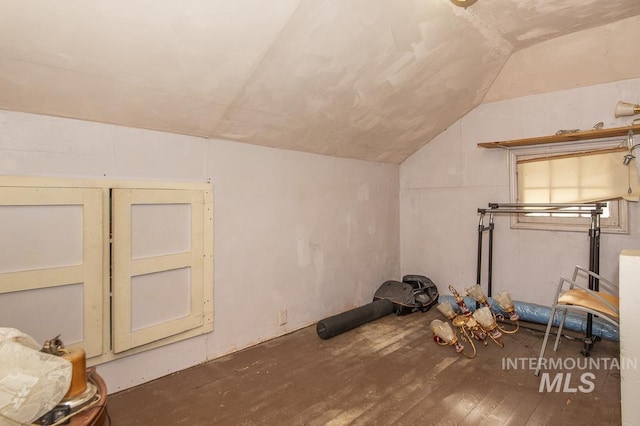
97, 413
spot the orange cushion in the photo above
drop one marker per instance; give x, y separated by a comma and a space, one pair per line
581, 297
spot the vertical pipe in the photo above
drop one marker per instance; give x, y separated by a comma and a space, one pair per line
490, 272
480, 231
594, 266
596, 252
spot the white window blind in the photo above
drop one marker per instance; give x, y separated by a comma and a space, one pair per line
577, 177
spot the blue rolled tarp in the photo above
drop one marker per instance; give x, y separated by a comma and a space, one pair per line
530, 312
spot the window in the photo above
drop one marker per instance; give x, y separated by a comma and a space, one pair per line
113, 267
573, 173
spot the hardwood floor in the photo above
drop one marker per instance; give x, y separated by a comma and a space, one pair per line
386, 372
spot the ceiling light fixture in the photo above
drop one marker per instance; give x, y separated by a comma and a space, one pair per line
480, 325
463, 3
626, 109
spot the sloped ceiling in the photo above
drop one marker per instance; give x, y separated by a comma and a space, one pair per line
365, 79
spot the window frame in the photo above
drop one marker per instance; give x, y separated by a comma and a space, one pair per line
616, 223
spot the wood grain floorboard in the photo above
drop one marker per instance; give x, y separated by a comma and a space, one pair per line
386, 372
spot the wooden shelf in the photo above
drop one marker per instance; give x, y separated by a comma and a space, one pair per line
563, 137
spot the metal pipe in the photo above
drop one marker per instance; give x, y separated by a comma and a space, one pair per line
479, 265
490, 266
518, 211
594, 284
558, 205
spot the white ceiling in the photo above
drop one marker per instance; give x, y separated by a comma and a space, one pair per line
367, 79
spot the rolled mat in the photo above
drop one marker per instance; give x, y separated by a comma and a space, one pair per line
348, 320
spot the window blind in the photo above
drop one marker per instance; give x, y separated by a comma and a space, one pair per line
580, 177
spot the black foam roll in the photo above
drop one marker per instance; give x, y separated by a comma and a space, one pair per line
348, 320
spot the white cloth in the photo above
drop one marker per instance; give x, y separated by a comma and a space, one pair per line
31, 382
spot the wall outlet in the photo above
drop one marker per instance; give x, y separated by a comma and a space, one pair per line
282, 316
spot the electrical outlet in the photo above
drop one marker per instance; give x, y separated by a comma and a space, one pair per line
282, 316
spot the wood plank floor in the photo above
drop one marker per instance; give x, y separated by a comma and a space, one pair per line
386, 372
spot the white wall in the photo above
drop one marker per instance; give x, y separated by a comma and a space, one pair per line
311, 234
444, 183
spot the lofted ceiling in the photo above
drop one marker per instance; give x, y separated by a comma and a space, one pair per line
365, 79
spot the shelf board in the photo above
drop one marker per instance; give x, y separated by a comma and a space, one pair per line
563, 137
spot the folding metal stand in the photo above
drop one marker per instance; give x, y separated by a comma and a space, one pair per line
595, 209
